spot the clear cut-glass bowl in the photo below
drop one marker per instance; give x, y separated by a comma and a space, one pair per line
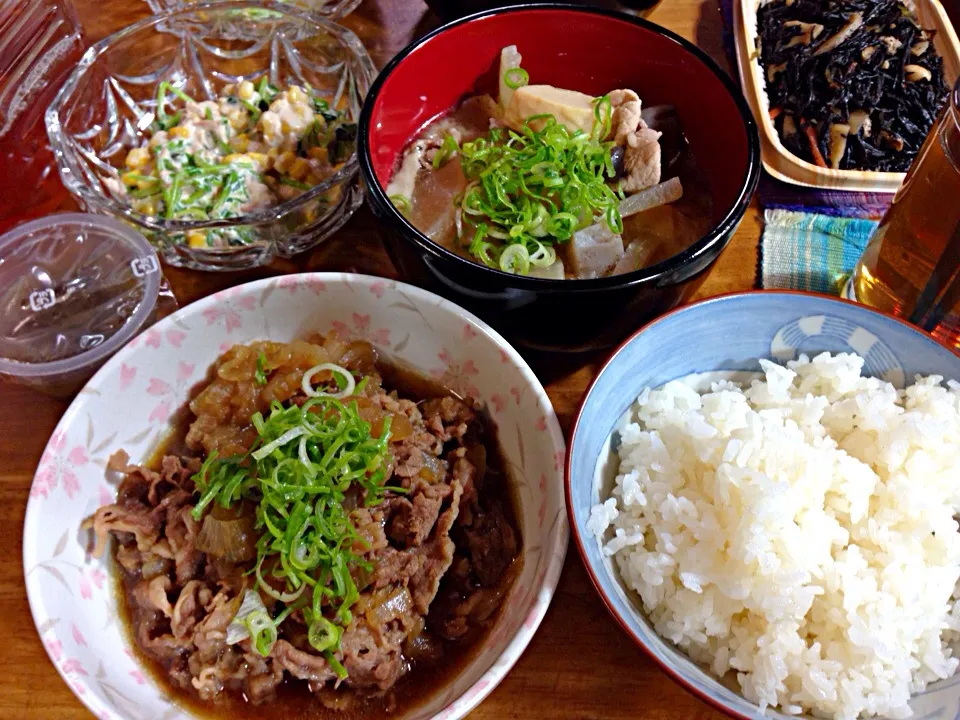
330, 9
106, 106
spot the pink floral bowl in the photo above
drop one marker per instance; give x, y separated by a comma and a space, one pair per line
129, 403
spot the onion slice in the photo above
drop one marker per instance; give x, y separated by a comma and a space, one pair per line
310, 391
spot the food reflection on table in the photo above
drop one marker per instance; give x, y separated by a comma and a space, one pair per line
553, 183
323, 522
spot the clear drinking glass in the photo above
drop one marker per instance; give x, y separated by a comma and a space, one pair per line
40, 43
107, 104
911, 267
330, 9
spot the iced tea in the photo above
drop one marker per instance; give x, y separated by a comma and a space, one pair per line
40, 43
911, 266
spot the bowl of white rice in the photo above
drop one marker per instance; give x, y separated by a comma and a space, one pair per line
764, 488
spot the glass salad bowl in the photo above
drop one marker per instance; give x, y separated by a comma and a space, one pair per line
130, 85
330, 9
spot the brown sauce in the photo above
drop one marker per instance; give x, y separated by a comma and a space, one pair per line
424, 679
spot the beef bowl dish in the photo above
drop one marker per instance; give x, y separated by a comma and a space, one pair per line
540, 177
303, 518
310, 519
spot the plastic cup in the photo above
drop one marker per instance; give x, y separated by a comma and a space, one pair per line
74, 288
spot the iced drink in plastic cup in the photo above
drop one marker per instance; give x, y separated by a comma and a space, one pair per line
40, 44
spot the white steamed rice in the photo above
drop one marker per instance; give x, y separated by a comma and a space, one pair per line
798, 533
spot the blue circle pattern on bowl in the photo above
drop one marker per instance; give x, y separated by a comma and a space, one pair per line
730, 333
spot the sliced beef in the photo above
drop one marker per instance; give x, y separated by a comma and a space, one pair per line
153, 635
436, 556
152, 595
492, 544
370, 527
210, 635
137, 520
182, 531
372, 660
414, 518
448, 418
190, 608
301, 664
394, 567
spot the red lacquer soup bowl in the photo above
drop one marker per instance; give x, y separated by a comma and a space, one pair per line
593, 51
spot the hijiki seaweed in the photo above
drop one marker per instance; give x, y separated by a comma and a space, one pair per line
852, 84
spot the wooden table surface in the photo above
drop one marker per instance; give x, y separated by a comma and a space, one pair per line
580, 664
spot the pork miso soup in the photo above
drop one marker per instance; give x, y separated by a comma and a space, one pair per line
554, 183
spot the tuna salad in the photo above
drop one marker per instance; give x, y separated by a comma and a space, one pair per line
253, 147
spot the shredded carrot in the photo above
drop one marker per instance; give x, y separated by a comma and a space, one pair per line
814, 148
774, 112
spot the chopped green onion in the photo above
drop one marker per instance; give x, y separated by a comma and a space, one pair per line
516, 78
535, 188
307, 537
255, 112
262, 631
447, 150
515, 259
294, 183
401, 203
602, 117
335, 665
323, 634
543, 256
260, 376
289, 435
338, 373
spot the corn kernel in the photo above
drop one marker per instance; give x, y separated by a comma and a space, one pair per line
145, 206
140, 181
318, 153
299, 169
246, 90
137, 158
283, 161
270, 123
240, 143
259, 159
295, 94
180, 132
238, 119
273, 152
234, 157
284, 127
197, 239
